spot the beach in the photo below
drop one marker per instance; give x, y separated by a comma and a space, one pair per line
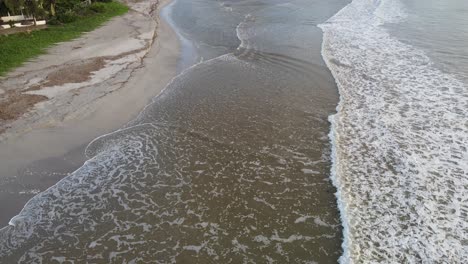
105, 92
229, 163
298, 131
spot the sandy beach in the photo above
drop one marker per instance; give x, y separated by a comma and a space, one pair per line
53, 106
249, 131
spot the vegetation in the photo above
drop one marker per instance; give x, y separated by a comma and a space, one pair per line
48, 9
68, 23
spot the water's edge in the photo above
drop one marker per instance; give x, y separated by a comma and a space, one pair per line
187, 59
334, 137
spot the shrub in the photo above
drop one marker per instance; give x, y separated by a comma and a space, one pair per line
98, 7
41, 13
66, 5
67, 17
53, 21
104, 1
83, 10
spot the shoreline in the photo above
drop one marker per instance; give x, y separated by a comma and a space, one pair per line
186, 156
51, 149
333, 138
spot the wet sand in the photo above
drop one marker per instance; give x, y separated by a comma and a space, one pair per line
34, 156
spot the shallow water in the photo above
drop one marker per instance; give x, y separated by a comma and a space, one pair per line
440, 29
229, 164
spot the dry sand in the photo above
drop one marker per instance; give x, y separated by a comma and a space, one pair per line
52, 107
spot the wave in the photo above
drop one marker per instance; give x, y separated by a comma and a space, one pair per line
399, 142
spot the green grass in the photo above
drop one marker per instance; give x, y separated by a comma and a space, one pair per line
18, 48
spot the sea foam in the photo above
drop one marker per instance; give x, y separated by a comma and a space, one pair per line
400, 137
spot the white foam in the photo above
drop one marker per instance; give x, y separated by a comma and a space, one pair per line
238, 247
195, 247
243, 33
302, 219
399, 143
309, 171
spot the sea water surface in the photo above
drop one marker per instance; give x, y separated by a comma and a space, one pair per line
400, 136
230, 164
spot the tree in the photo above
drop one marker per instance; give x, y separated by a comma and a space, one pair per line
52, 7
34, 9
3, 8
14, 6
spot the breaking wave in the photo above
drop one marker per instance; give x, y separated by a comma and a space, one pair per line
400, 141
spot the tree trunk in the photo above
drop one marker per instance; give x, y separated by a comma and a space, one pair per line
52, 9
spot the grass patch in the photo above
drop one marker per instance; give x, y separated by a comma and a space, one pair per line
18, 48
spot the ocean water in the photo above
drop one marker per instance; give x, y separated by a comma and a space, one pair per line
252, 155
400, 136
229, 164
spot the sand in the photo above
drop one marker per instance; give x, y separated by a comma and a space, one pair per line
53, 106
